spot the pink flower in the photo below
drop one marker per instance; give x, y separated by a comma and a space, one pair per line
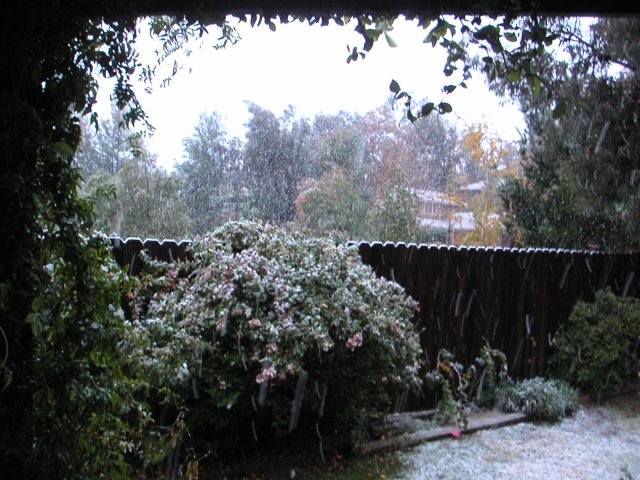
172, 274
206, 275
254, 323
456, 433
266, 375
354, 341
272, 347
219, 324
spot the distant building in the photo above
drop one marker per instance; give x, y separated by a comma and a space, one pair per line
471, 190
439, 211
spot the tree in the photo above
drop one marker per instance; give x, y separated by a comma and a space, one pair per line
435, 142
213, 192
488, 163
141, 200
52, 58
580, 187
425, 151
394, 217
274, 162
332, 204
109, 147
340, 148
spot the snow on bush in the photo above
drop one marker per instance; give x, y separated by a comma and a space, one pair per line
265, 320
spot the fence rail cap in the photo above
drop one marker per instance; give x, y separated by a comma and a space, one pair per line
118, 242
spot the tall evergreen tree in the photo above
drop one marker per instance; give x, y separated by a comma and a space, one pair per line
274, 162
212, 190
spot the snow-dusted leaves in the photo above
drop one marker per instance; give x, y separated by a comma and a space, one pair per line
258, 306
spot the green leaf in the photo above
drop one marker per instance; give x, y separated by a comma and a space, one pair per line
496, 46
390, 41
536, 85
427, 108
394, 86
445, 107
36, 328
514, 76
35, 305
560, 109
62, 148
272, 26
373, 33
512, 37
549, 40
449, 88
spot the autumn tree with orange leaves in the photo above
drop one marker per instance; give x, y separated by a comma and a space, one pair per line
489, 160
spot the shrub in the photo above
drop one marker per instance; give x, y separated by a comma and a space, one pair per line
597, 349
263, 323
539, 398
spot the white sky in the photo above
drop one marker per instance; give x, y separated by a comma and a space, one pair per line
304, 66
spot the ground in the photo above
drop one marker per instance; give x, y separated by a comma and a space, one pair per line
598, 442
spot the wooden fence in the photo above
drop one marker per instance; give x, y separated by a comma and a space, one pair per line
511, 299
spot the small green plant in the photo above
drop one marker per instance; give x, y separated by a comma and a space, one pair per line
460, 387
449, 377
539, 398
492, 365
597, 349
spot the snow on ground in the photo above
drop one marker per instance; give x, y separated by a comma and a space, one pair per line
599, 442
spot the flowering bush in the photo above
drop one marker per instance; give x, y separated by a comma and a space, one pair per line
263, 320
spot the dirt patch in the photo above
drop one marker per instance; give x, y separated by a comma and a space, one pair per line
598, 442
